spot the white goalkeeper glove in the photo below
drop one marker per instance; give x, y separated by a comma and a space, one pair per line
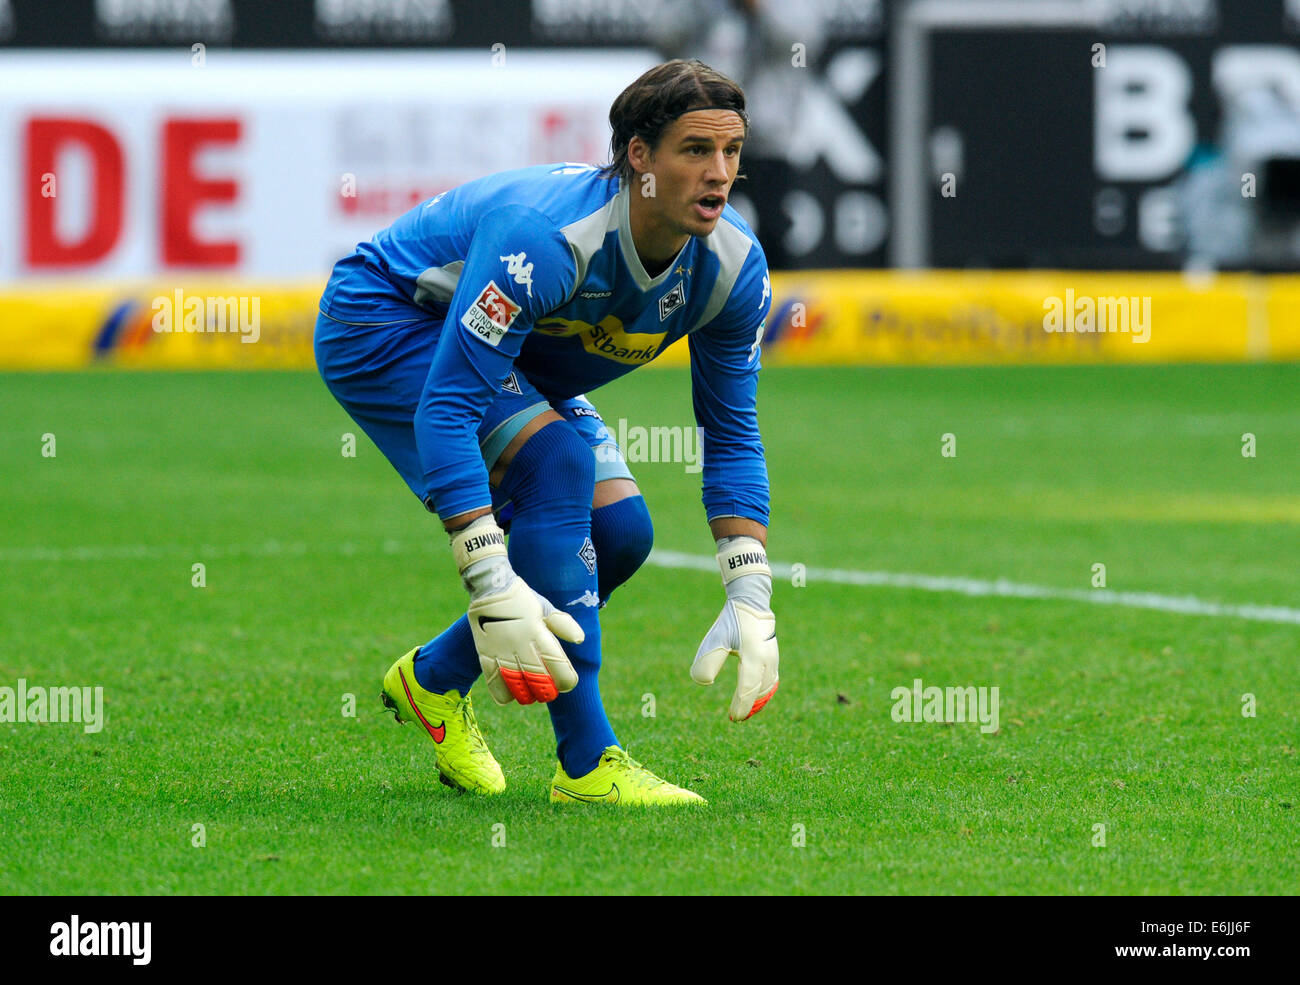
746, 628
514, 628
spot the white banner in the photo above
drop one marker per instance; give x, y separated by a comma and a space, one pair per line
267, 165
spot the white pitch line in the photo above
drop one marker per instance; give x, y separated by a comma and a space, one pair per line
1184, 604
201, 552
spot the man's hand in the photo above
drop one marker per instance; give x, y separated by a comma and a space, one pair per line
746, 628
514, 628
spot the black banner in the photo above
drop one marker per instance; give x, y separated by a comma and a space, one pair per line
350, 23
129, 937
1103, 148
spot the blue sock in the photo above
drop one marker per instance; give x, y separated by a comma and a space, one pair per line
551, 482
623, 535
449, 661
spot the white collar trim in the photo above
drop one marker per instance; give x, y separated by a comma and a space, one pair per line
628, 246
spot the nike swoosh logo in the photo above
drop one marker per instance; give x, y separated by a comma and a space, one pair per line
486, 619
438, 733
610, 796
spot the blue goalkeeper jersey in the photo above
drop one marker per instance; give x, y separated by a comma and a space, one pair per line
535, 270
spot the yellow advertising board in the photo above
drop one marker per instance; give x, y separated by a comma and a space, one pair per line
821, 318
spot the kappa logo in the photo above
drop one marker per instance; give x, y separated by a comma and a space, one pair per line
587, 554
511, 385
758, 340
491, 314
588, 598
671, 301
595, 294
767, 289
520, 271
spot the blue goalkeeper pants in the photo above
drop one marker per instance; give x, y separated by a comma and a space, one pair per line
374, 350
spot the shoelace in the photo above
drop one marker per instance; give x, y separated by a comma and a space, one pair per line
622, 756
479, 749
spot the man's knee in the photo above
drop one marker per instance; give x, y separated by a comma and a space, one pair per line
554, 464
498, 471
623, 534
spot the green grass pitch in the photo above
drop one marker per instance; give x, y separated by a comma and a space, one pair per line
226, 703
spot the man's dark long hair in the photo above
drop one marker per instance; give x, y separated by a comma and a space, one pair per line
646, 107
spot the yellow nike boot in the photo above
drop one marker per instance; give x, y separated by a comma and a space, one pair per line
619, 779
464, 760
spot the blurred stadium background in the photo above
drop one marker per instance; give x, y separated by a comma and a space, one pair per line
997, 151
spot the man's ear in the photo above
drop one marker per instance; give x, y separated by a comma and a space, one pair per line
639, 154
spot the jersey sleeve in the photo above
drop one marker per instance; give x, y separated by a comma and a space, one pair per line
519, 267
724, 387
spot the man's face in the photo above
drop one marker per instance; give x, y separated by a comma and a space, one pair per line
694, 167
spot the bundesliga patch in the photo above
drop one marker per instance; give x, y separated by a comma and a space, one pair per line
588, 556
491, 314
671, 301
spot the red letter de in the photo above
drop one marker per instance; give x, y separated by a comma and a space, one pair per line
46, 138
184, 192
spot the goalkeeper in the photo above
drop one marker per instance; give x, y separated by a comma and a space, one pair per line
463, 338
